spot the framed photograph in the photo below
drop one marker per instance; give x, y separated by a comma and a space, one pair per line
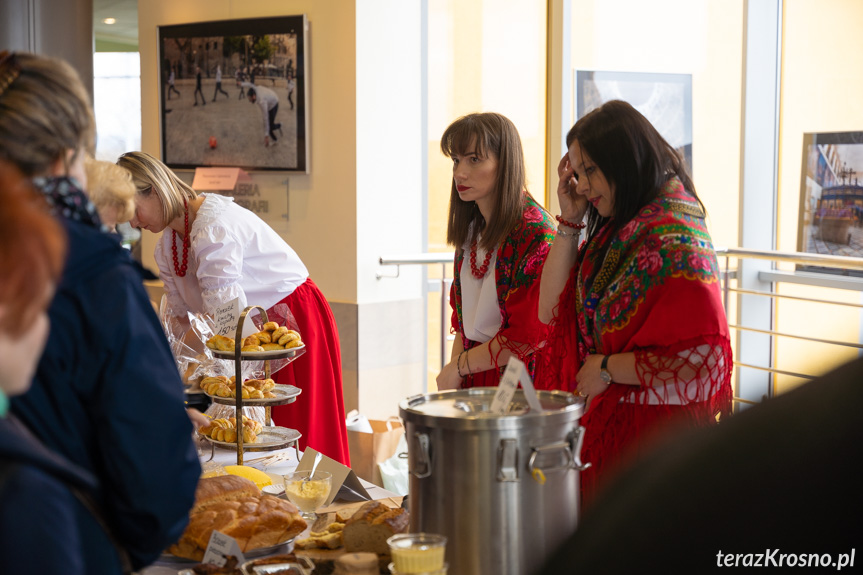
234, 93
664, 99
831, 198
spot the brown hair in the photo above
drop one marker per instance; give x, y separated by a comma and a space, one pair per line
486, 134
32, 250
110, 186
44, 112
152, 176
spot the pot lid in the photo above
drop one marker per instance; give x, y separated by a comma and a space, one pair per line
473, 405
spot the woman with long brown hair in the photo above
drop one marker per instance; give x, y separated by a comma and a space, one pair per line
501, 235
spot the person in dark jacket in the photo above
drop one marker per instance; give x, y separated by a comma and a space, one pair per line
107, 395
40, 506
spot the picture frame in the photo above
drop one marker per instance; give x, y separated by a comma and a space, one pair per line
664, 99
830, 219
235, 93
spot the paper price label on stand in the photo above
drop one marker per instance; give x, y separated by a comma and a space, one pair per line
515, 373
220, 548
226, 318
506, 388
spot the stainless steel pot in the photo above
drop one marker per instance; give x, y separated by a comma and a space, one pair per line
504, 489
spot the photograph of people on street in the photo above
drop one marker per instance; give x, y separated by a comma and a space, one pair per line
233, 94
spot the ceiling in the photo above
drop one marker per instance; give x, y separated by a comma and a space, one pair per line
123, 33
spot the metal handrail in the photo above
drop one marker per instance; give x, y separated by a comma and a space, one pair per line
843, 262
839, 262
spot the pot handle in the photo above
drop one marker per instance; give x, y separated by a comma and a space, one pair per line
538, 473
423, 455
578, 440
572, 455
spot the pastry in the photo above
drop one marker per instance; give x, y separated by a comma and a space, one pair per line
278, 333
272, 347
263, 337
270, 326
235, 506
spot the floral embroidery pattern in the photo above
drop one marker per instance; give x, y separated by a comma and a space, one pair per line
644, 255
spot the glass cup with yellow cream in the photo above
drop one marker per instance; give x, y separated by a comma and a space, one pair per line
308, 492
418, 552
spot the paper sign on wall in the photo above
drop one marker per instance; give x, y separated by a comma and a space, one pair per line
216, 179
220, 548
515, 373
226, 317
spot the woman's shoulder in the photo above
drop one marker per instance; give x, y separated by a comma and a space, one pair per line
535, 219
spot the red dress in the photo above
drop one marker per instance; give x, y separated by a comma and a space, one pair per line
517, 271
655, 293
319, 412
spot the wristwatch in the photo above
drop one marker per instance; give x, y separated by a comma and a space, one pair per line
603, 371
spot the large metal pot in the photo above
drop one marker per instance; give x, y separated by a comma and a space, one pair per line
504, 489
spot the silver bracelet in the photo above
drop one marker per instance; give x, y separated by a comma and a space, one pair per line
573, 234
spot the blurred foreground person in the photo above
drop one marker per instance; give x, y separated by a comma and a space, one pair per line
107, 394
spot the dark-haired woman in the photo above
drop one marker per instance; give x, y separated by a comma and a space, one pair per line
501, 235
638, 327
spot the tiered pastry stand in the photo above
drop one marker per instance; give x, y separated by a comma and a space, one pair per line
271, 437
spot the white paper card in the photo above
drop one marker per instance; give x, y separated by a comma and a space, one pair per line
527, 386
226, 317
515, 373
506, 388
342, 475
220, 547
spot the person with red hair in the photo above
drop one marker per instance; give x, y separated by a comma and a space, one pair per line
37, 487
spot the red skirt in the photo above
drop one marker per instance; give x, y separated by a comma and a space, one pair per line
319, 412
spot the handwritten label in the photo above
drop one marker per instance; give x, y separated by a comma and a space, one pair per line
220, 547
226, 318
515, 373
506, 389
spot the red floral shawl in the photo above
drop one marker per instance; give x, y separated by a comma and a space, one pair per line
656, 294
518, 268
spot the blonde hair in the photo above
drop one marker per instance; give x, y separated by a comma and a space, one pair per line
110, 186
152, 176
44, 112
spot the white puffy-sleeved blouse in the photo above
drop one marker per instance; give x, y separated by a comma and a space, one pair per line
232, 254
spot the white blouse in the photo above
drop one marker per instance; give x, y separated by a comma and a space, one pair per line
232, 254
480, 313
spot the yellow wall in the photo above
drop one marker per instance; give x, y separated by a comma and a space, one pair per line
699, 37
822, 53
322, 204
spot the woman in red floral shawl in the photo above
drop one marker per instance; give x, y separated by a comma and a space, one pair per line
637, 324
501, 236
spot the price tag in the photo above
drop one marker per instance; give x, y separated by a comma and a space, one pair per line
220, 548
226, 318
515, 373
506, 388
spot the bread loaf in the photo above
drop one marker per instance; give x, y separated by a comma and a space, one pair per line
370, 527
235, 506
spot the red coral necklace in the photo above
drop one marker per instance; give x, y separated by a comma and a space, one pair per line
483, 269
180, 269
